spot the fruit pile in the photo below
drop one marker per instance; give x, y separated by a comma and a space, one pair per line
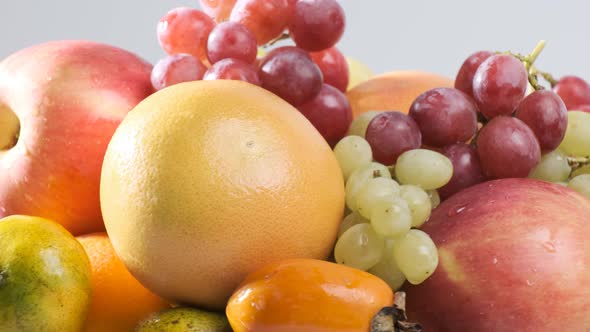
247, 198
312, 75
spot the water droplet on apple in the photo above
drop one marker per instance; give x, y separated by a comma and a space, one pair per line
457, 209
529, 283
28, 197
495, 261
2, 209
549, 246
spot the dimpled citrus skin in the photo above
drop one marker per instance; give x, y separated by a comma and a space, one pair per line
44, 277
119, 301
206, 181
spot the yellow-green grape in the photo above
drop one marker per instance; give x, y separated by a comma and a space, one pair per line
391, 218
359, 247
359, 125
577, 135
358, 72
424, 168
553, 167
352, 219
416, 255
434, 198
581, 184
352, 152
387, 270
357, 180
582, 170
373, 192
419, 203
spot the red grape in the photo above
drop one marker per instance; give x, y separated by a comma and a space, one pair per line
317, 24
445, 116
218, 9
545, 113
267, 19
507, 148
391, 134
499, 85
185, 30
175, 69
574, 91
333, 66
233, 69
290, 73
466, 169
329, 112
464, 79
231, 40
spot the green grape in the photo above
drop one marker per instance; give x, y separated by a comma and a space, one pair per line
359, 125
357, 180
387, 270
424, 168
391, 218
582, 170
577, 136
359, 247
581, 184
434, 198
372, 192
352, 219
419, 203
352, 152
553, 167
416, 255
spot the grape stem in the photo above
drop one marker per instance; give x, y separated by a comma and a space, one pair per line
533, 73
578, 162
283, 36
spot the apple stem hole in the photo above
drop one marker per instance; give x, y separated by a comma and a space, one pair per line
9, 128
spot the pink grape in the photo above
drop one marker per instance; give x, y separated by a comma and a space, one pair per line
464, 79
499, 85
333, 66
232, 69
218, 9
466, 169
231, 40
445, 116
267, 19
545, 113
175, 69
507, 148
290, 73
574, 91
390, 134
329, 112
317, 24
185, 30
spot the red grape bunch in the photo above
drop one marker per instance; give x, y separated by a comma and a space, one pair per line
222, 42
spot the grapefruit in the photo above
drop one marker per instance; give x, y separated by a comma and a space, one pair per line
394, 91
206, 181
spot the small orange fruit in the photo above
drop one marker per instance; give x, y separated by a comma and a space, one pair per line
119, 301
394, 91
206, 181
307, 295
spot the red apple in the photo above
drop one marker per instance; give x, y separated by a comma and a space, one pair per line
60, 103
514, 256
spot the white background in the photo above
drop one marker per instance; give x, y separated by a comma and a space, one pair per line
386, 34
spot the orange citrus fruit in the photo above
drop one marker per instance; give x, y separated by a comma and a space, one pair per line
119, 301
205, 181
394, 91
